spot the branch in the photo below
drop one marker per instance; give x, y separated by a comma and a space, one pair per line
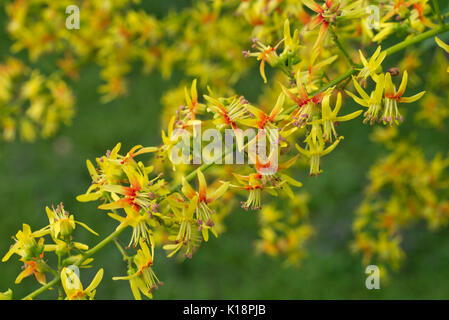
340, 46
392, 50
436, 9
86, 255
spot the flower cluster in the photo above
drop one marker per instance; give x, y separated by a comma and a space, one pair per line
32, 104
286, 234
158, 199
404, 188
31, 248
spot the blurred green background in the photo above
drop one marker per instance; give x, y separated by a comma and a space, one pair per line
48, 172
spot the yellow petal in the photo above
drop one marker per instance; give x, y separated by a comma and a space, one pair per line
86, 227
219, 192
443, 45
89, 197
389, 86
96, 281
349, 116
187, 189
403, 85
412, 98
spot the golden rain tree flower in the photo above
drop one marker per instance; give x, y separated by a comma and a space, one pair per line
33, 267
169, 141
291, 44
138, 221
134, 152
252, 183
329, 12
229, 113
188, 235
265, 54
192, 100
373, 102
202, 210
320, 19
31, 253
138, 201
330, 117
371, 67
270, 181
140, 194
61, 247
73, 287
25, 244
266, 123
316, 147
271, 178
109, 172
141, 276
62, 223
304, 102
393, 97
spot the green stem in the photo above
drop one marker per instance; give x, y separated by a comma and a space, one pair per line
122, 251
86, 255
424, 36
341, 47
436, 8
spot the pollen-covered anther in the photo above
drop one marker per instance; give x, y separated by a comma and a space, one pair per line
209, 223
394, 71
246, 54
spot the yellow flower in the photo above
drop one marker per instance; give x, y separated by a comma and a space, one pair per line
265, 54
61, 223
109, 172
202, 210
140, 274
370, 67
139, 201
192, 100
393, 97
188, 234
316, 147
330, 117
373, 102
291, 44
33, 86
228, 113
31, 253
73, 287
33, 267
25, 245
305, 102
61, 247
138, 221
